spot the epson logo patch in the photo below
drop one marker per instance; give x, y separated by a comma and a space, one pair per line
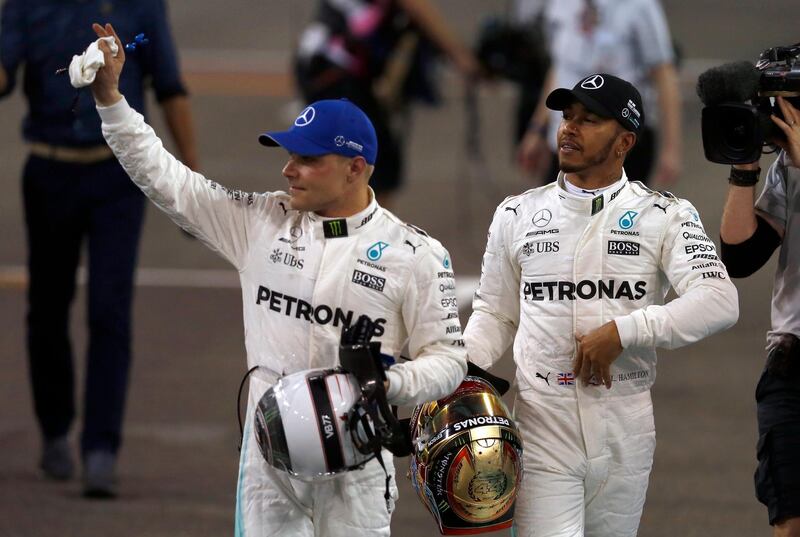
623, 248
369, 280
692, 248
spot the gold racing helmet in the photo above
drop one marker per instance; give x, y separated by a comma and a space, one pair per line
466, 464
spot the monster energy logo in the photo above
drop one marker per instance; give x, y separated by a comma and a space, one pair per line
460, 441
597, 204
443, 506
334, 228
271, 414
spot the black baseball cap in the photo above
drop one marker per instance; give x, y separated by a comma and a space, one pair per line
605, 95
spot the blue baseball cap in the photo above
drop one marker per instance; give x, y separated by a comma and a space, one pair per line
330, 126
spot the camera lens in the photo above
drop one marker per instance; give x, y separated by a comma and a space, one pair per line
731, 133
738, 134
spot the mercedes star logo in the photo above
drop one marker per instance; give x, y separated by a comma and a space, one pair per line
593, 82
542, 217
339, 141
305, 117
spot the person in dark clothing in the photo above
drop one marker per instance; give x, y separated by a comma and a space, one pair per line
751, 230
377, 54
74, 190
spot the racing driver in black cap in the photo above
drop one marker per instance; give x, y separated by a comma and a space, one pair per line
575, 274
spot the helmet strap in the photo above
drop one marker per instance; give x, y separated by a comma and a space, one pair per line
386, 495
239, 406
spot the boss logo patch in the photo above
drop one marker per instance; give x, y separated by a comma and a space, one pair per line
623, 248
369, 280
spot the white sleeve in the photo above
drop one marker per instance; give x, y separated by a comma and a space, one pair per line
707, 300
652, 36
495, 308
218, 216
435, 343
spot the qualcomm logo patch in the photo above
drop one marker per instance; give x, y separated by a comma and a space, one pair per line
626, 221
375, 251
593, 82
305, 117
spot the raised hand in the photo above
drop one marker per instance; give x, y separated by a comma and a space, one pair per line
105, 87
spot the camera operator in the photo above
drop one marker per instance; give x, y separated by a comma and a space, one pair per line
749, 233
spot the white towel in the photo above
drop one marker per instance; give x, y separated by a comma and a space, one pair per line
83, 68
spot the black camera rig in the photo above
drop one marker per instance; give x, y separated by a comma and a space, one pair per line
740, 98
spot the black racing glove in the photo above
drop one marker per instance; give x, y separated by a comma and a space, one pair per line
361, 358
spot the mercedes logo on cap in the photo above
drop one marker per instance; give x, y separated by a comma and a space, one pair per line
542, 218
593, 82
305, 117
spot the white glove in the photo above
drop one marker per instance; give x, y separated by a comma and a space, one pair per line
83, 68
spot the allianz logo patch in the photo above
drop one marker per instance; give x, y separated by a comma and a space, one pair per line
623, 248
369, 280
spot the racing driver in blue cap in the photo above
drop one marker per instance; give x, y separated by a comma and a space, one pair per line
311, 261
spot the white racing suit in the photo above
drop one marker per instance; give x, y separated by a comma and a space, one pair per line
304, 278
558, 265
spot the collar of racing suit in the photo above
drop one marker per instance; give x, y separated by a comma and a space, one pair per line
354, 224
589, 205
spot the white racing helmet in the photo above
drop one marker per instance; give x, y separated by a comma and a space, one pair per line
466, 464
302, 424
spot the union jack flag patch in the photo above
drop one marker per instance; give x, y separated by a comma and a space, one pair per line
566, 379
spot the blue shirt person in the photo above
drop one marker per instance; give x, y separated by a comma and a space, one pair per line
75, 190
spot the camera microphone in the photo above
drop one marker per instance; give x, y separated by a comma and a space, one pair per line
736, 81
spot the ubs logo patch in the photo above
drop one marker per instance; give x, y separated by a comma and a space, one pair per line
541, 247
286, 258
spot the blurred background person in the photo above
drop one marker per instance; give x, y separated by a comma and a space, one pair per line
528, 15
380, 55
74, 190
627, 38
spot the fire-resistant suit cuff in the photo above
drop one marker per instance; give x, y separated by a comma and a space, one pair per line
115, 114
395, 384
626, 327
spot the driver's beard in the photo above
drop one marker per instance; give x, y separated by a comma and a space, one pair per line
599, 158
